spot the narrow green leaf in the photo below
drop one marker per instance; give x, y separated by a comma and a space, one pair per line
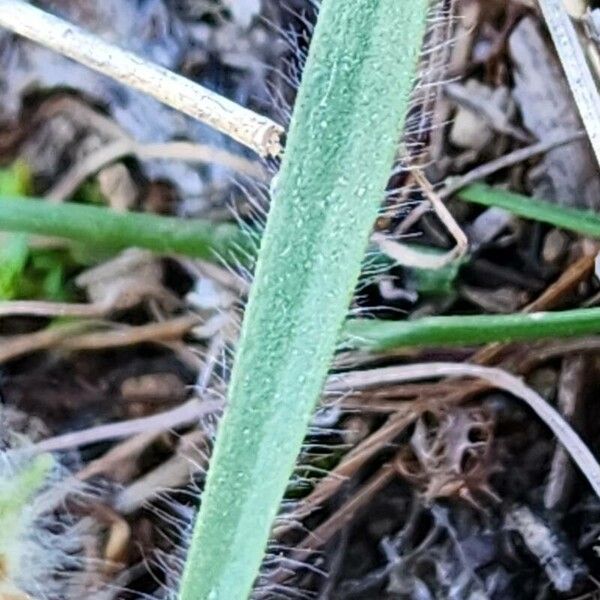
341, 144
584, 222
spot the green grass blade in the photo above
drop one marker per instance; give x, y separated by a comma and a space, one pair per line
379, 335
345, 128
103, 228
584, 222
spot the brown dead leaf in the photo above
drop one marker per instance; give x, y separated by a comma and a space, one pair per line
132, 277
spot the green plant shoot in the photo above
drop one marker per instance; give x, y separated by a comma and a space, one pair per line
344, 133
16, 491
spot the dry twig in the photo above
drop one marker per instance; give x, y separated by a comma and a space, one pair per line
254, 131
185, 414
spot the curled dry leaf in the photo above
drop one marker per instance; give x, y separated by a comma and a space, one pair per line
449, 454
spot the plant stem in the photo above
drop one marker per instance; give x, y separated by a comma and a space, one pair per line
378, 335
342, 140
104, 228
584, 222
108, 230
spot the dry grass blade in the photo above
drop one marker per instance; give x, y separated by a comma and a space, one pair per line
185, 414
41, 308
73, 336
171, 329
576, 68
20, 345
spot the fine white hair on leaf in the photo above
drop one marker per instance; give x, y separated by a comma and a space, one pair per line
43, 539
296, 42
432, 77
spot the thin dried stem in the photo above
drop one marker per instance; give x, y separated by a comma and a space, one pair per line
185, 414
42, 308
575, 273
325, 531
20, 345
409, 257
128, 336
126, 146
455, 183
124, 451
76, 336
250, 129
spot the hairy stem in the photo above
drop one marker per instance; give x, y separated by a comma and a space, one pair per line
344, 133
18, 485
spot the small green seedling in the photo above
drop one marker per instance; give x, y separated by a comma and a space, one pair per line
18, 487
345, 130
